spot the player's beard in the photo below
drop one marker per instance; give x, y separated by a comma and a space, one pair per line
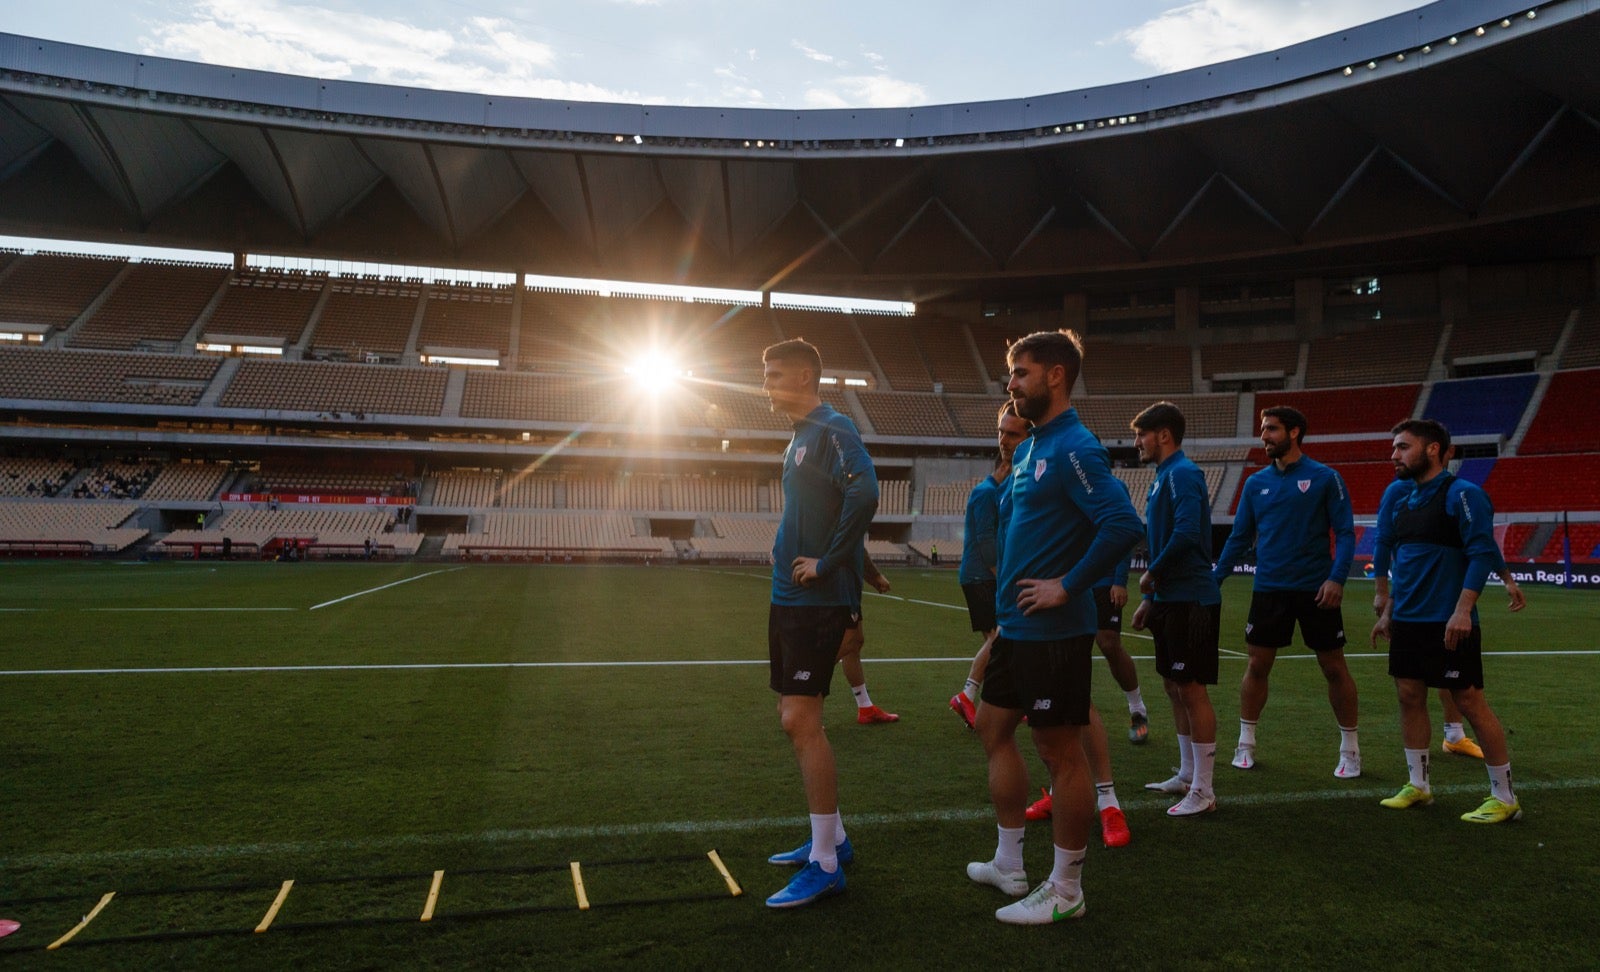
1407, 471
1033, 407
1276, 450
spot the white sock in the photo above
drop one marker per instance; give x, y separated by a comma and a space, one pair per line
863, 700
1067, 875
1105, 795
1136, 703
823, 847
1500, 783
1205, 760
1417, 765
1247, 733
1008, 851
1348, 742
970, 690
1453, 733
1185, 758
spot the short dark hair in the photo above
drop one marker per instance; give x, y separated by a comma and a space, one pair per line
1161, 415
1009, 408
1428, 430
1292, 418
1051, 348
800, 351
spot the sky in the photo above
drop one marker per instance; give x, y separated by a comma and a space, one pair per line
754, 53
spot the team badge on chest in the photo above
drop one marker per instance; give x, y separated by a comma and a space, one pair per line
800, 455
1038, 470
1304, 484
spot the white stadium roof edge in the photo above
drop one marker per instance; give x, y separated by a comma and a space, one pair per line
1189, 172
339, 103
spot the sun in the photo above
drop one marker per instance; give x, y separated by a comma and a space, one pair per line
655, 372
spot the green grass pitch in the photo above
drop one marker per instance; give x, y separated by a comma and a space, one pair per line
501, 722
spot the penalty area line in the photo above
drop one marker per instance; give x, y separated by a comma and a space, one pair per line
384, 587
322, 848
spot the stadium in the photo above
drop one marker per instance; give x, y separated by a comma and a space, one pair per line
389, 544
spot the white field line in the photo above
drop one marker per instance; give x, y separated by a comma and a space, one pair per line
887, 597
384, 587
323, 848
679, 663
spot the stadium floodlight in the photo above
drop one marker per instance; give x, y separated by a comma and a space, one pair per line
1532, 14
899, 143
1479, 32
1454, 41
1427, 48
1372, 65
1348, 72
638, 139
1505, 22
1400, 57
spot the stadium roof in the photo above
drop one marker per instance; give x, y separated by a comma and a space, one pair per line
1464, 131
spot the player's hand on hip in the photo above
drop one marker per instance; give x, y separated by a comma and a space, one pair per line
1330, 595
804, 571
1040, 595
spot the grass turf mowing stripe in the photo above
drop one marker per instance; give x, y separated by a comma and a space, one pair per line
384, 587
680, 663
498, 837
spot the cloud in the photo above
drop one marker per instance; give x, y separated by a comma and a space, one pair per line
486, 55
814, 54
1208, 31
865, 91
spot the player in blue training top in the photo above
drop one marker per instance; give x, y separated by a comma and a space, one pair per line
830, 493
1064, 525
980, 555
1180, 603
1288, 511
1435, 551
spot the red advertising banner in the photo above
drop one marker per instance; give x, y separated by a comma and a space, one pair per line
324, 499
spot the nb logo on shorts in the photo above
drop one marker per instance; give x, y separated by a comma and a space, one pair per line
1041, 704
1177, 666
1452, 674
802, 676
1341, 632
1250, 627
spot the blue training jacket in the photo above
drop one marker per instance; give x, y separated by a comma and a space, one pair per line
830, 492
1177, 516
1426, 579
1288, 514
979, 553
1064, 515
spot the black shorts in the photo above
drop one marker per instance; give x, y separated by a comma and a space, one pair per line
802, 646
1273, 615
1186, 634
1416, 651
980, 605
1047, 680
1108, 616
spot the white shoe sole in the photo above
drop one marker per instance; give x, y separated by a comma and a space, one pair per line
984, 872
